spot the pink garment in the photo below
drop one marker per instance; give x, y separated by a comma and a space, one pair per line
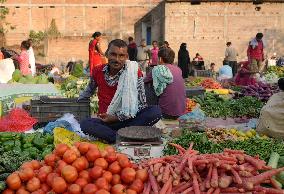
23, 60
244, 77
154, 56
257, 52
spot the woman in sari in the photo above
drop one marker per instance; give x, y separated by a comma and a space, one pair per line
23, 59
95, 52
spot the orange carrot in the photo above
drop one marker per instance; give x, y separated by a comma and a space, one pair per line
274, 184
249, 183
210, 191
237, 178
214, 179
187, 190
174, 174
217, 191
169, 191
166, 186
195, 184
268, 190
182, 187
178, 147
153, 183
208, 178
234, 151
157, 167
256, 163
166, 174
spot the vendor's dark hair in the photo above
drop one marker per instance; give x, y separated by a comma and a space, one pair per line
96, 34
281, 83
25, 44
118, 43
228, 43
259, 35
130, 38
167, 54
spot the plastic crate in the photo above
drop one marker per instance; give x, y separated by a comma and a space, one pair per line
49, 109
195, 91
202, 73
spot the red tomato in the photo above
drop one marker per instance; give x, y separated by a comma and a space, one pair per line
81, 182
69, 173
90, 189
102, 183
128, 175
137, 186
69, 156
102, 163
118, 189
81, 164
96, 172
60, 149
74, 189
93, 154
50, 177
114, 168
85, 175
83, 147
59, 185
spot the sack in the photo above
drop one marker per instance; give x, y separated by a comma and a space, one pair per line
194, 120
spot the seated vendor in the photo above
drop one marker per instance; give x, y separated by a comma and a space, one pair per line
122, 101
244, 76
271, 120
168, 86
225, 73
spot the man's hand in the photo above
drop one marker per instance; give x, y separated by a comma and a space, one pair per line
108, 118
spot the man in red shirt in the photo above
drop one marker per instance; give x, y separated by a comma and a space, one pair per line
255, 53
108, 79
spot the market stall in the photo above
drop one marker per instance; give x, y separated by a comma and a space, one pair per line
217, 149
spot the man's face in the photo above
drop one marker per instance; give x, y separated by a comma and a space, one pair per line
117, 57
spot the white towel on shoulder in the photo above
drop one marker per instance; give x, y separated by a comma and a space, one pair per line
125, 99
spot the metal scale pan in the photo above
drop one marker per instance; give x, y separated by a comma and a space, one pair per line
139, 134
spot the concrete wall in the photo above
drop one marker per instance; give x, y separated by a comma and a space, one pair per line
208, 26
155, 19
74, 18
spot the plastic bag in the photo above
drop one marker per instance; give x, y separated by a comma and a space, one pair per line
194, 120
18, 120
65, 136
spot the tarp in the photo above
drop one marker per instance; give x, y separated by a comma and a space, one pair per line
6, 70
14, 95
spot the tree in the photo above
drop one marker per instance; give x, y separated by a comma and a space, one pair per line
4, 11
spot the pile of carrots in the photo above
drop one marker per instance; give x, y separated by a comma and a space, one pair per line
80, 169
190, 105
191, 173
210, 84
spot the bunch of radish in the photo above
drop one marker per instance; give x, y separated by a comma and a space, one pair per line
82, 168
191, 173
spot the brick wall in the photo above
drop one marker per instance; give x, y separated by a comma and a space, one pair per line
74, 18
207, 27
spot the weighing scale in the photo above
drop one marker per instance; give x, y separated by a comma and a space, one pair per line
140, 142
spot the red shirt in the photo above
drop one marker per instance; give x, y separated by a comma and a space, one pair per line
257, 52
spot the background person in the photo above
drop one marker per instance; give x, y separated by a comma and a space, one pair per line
225, 73
231, 57
23, 58
143, 55
271, 120
154, 54
184, 60
256, 54
165, 86
132, 49
32, 58
95, 51
122, 100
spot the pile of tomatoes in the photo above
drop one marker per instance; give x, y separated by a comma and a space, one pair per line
82, 168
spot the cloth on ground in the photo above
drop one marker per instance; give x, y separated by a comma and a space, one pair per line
162, 77
125, 99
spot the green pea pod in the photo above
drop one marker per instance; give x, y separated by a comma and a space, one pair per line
48, 138
18, 143
33, 152
8, 145
17, 149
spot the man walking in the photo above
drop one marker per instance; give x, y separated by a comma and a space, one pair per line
231, 57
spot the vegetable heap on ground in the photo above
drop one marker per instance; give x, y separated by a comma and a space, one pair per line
194, 82
17, 77
217, 135
210, 83
259, 90
82, 168
231, 171
190, 105
216, 106
16, 148
252, 146
279, 71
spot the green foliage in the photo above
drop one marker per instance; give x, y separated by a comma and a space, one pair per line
37, 37
53, 31
4, 11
